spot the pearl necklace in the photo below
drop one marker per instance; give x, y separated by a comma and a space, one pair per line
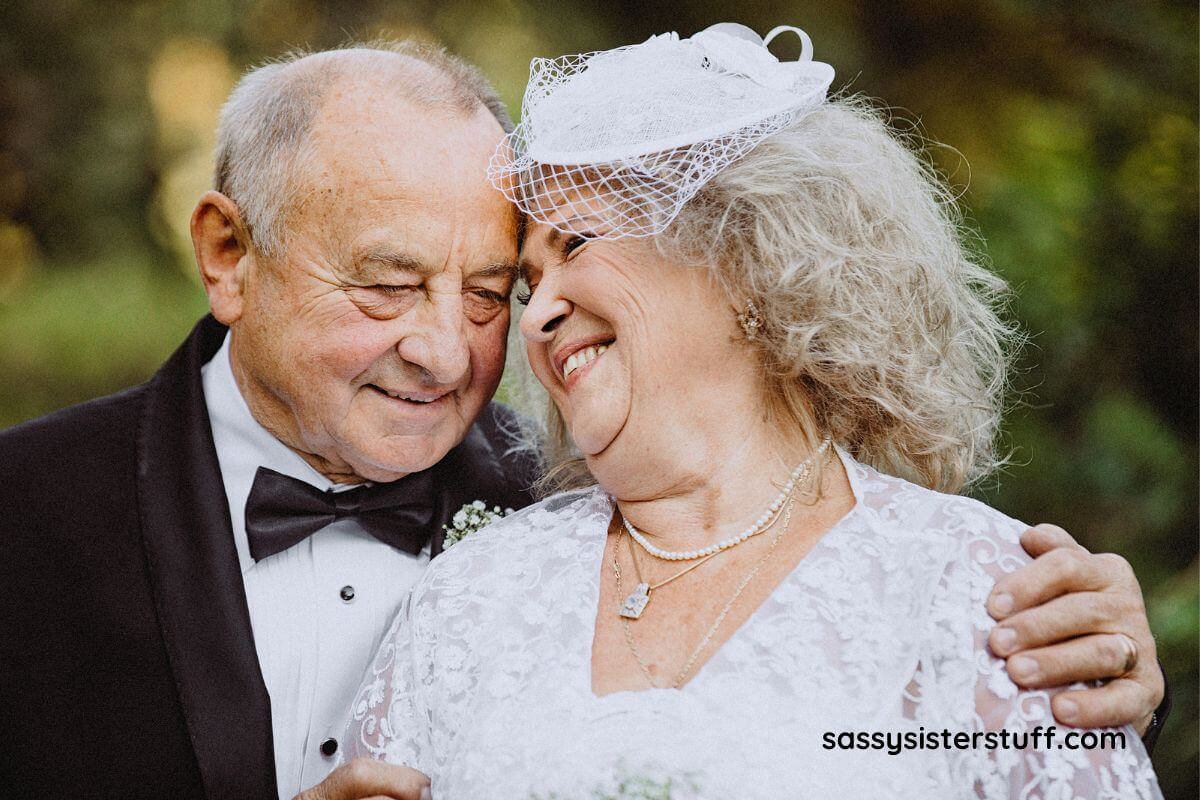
801, 472
691, 662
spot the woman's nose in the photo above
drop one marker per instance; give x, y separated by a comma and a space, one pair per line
545, 312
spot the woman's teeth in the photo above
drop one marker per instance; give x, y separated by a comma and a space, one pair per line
582, 358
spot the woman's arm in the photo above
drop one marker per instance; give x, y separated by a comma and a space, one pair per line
385, 721
385, 738
1024, 752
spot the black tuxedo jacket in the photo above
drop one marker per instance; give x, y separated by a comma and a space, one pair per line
127, 662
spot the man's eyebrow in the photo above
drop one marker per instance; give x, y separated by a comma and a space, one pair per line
367, 263
497, 269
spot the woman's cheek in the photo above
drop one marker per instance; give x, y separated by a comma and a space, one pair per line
598, 412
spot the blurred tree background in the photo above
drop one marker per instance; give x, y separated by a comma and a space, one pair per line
1073, 128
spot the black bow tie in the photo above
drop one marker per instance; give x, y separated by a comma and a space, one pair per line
283, 511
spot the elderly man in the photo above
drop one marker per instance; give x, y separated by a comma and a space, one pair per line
198, 570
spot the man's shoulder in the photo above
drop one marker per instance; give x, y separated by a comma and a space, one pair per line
511, 446
505, 427
88, 435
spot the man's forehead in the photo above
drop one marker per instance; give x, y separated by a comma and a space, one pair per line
385, 141
386, 204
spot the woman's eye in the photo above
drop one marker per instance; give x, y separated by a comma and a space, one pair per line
572, 244
525, 295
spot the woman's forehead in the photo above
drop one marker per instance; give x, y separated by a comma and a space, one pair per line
581, 200
540, 240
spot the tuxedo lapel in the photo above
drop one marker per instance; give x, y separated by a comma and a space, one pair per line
197, 581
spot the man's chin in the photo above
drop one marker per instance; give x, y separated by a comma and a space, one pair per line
392, 457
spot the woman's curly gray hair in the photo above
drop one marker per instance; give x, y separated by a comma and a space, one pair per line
880, 326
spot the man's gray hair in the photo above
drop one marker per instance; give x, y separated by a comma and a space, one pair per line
266, 120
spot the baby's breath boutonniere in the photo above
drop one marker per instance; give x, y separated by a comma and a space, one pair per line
470, 518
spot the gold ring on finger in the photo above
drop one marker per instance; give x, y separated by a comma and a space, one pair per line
1131, 654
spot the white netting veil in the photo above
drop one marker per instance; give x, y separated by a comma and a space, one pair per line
613, 143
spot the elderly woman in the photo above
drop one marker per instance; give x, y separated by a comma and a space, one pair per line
771, 360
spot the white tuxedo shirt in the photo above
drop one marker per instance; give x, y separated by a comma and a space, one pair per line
318, 609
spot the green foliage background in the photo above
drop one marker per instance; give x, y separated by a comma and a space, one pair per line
1074, 133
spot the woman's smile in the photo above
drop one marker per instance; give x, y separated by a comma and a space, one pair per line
575, 360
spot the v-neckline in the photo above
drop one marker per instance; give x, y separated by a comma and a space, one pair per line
599, 565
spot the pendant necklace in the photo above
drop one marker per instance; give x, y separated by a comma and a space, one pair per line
636, 603
691, 662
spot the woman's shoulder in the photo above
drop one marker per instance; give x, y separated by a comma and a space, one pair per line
552, 518
554, 529
904, 508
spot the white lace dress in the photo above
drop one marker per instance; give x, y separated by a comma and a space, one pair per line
484, 680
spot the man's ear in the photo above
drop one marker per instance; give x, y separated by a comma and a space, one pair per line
222, 246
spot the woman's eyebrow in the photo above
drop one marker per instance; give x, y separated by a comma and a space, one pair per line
523, 271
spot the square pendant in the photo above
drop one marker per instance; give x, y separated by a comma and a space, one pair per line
635, 604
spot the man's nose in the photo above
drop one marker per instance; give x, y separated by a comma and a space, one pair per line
546, 311
438, 344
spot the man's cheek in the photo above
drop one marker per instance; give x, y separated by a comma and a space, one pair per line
348, 354
488, 350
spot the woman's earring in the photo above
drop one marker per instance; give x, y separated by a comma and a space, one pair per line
751, 321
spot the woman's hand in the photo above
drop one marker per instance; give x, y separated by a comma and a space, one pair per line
1076, 616
364, 778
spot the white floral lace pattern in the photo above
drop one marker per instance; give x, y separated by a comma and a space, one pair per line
484, 680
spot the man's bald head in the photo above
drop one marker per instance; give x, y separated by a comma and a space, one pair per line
265, 123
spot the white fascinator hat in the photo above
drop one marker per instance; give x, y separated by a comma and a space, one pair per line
613, 143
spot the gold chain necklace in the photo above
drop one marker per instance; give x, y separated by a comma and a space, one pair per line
635, 604
691, 662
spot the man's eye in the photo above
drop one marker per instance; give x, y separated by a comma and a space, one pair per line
482, 305
488, 296
393, 290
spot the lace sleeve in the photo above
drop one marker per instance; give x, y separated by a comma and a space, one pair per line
386, 722
1019, 750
